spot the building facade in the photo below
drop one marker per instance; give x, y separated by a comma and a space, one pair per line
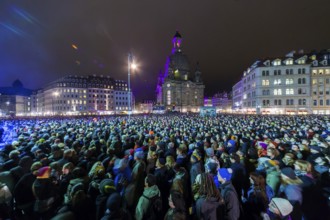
222, 102
15, 100
237, 98
76, 95
293, 84
320, 89
178, 88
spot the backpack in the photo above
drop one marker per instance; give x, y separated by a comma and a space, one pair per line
155, 207
211, 208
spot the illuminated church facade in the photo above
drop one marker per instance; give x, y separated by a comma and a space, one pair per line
179, 88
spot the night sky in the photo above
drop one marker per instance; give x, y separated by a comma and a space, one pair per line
41, 41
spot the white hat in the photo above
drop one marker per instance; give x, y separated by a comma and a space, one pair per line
283, 205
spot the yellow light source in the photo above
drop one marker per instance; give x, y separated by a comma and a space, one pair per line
133, 66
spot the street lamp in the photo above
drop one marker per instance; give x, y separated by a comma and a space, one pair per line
131, 66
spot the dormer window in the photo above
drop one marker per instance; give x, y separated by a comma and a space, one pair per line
289, 62
277, 62
301, 61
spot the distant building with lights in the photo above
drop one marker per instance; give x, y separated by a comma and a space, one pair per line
146, 106
237, 98
78, 95
222, 102
179, 88
298, 83
15, 100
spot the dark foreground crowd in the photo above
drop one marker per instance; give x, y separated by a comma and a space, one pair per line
166, 167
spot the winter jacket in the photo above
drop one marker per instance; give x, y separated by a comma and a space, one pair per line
144, 203
23, 191
229, 194
138, 176
273, 179
195, 169
210, 208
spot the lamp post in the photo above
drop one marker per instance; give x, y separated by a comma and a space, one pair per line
131, 66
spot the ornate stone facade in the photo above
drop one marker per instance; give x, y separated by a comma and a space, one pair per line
179, 88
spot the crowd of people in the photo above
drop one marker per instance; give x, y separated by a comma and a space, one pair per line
179, 166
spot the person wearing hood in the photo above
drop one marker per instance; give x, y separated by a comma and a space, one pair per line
150, 191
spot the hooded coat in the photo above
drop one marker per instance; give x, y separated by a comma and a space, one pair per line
144, 203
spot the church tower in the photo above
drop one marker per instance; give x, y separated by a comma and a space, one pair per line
177, 42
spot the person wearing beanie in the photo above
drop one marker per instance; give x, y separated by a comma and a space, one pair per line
150, 192
231, 146
196, 166
11, 162
45, 193
228, 193
280, 208
106, 187
291, 189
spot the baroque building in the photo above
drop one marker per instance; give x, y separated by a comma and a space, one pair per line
179, 88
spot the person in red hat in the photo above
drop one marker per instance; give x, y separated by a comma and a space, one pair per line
45, 193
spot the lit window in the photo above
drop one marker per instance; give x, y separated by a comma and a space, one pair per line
289, 62
265, 82
289, 91
168, 97
277, 62
289, 81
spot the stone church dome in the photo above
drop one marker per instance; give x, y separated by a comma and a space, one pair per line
179, 61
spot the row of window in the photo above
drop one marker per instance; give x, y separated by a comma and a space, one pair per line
266, 82
320, 71
288, 102
289, 91
320, 81
321, 92
79, 85
279, 72
321, 102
